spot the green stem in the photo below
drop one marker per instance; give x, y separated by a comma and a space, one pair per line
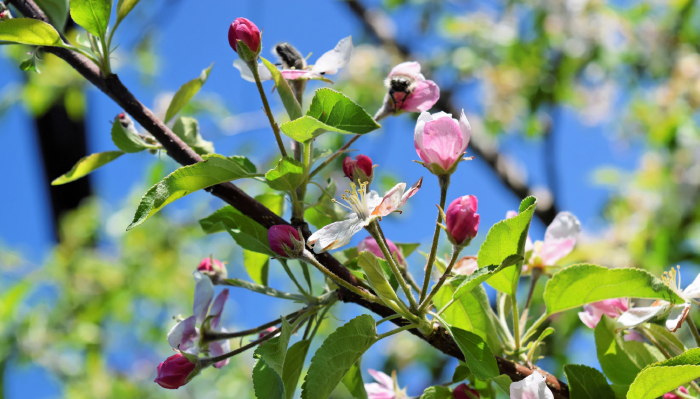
291, 276
693, 329
456, 250
320, 319
82, 52
516, 321
261, 289
444, 181
208, 336
376, 233
253, 65
392, 317
533, 328
396, 331
309, 257
333, 157
444, 308
656, 343
106, 67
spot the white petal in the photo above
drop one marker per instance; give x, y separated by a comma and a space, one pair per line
677, 316
391, 201
203, 294
331, 61
693, 290
408, 68
466, 130
184, 335
411, 192
336, 234
636, 316
533, 386
560, 238
373, 199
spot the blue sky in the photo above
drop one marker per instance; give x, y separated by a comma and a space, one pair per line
193, 38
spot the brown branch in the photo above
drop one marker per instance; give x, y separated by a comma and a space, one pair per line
234, 196
507, 172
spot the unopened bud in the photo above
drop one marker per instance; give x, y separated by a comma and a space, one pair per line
176, 371
462, 221
285, 241
213, 268
244, 38
358, 169
463, 391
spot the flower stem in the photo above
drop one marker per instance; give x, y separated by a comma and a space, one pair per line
291, 276
310, 258
209, 336
333, 156
444, 181
392, 317
378, 236
533, 328
396, 331
253, 65
516, 321
456, 250
693, 330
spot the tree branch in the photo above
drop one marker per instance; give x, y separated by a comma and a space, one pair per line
507, 173
234, 196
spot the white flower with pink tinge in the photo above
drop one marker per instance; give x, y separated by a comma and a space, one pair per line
559, 240
533, 386
593, 312
385, 388
441, 141
185, 335
408, 91
328, 64
364, 208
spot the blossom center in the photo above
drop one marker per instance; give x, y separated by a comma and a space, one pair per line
356, 200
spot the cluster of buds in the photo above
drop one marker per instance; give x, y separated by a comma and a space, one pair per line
286, 241
461, 220
359, 169
245, 39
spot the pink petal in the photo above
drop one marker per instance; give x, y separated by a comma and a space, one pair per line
466, 129
218, 307
183, 335
408, 68
382, 378
442, 141
423, 97
376, 391
560, 238
292, 74
219, 348
391, 201
411, 192
203, 294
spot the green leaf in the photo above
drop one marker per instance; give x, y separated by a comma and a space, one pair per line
124, 7
257, 265
353, 381
293, 364
188, 130
470, 312
286, 176
126, 139
56, 10
467, 283
11, 298
272, 201
653, 382
286, 94
506, 238
503, 382
267, 377
477, 354
666, 339
461, 373
29, 31
247, 233
29, 65
376, 277
578, 285
337, 355
213, 170
616, 363
587, 383
330, 111
86, 164
437, 392
93, 15
407, 249
325, 211
185, 94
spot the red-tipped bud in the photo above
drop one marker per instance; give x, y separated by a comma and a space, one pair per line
285, 241
463, 391
245, 31
358, 169
462, 220
174, 372
370, 244
215, 270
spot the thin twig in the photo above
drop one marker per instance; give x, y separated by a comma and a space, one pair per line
333, 156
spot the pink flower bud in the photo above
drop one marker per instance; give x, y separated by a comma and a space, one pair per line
441, 141
592, 312
461, 390
282, 239
266, 332
215, 270
359, 168
370, 244
462, 220
671, 395
174, 371
245, 31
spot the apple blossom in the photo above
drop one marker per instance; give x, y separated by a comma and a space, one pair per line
212, 268
358, 169
441, 141
175, 371
408, 91
559, 240
462, 221
533, 386
384, 388
370, 244
285, 241
243, 31
364, 208
592, 312
328, 64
